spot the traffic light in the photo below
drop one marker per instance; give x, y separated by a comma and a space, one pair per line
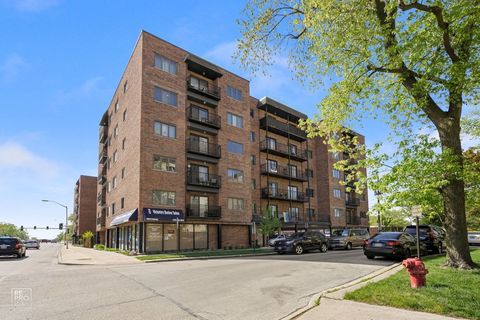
21, 228
34, 227
60, 226
47, 227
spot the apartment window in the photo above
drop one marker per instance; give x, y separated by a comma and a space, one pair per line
199, 84
109, 186
234, 147
164, 198
234, 120
115, 131
309, 172
271, 144
165, 64
310, 213
337, 212
309, 192
253, 159
254, 207
165, 130
124, 173
292, 171
292, 214
124, 115
125, 86
166, 96
109, 119
235, 204
252, 113
117, 106
273, 210
234, 93
337, 193
164, 164
254, 184
292, 149
113, 209
309, 154
292, 193
115, 156
235, 175
336, 155
272, 166
124, 143
109, 161
336, 173
122, 203
252, 136
114, 182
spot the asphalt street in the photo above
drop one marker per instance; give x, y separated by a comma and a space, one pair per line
266, 287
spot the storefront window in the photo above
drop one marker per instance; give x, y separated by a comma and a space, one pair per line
201, 236
154, 234
186, 237
170, 237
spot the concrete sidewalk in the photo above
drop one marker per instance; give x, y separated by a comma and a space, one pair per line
332, 306
85, 256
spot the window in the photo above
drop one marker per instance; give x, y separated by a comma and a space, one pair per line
292, 149
115, 131
337, 212
271, 144
235, 204
109, 161
115, 156
292, 214
165, 64
117, 106
164, 198
292, 193
252, 113
273, 189
252, 136
124, 173
124, 143
254, 207
125, 86
199, 84
234, 147
309, 172
234, 120
125, 115
310, 213
234, 93
109, 186
337, 193
273, 210
165, 96
253, 159
165, 130
110, 141
309, 154
122, 203
113, 208
254, 184
164, 164
272, 166
292, 171
309, 192
336, 155
235, 175
114, 182
336, 174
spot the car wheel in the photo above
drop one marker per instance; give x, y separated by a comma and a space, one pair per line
19, 255
298, 249
440, 248
349, 246
370, 257
323, 247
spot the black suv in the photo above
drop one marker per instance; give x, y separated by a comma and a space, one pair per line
301, 242
11, 246
432, 236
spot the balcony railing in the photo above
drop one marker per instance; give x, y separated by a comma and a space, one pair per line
194, 211
283, 194
284, 150
195, 145
283, 172
103, 156
203, 179
283, 129
210, 90
352, 201
197, 115
102, 219
102, 134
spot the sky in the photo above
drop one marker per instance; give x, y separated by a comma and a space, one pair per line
60, 62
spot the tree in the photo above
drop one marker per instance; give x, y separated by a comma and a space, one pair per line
411, 62
87, 237
391, 219
269, 223
9, 229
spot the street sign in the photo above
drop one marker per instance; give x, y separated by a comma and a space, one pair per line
416, 211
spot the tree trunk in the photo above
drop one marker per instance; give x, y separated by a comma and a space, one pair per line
455, 224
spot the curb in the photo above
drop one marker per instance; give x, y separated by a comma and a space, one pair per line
315, 299
208, 257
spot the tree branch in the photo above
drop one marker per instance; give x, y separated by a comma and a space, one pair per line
418, 75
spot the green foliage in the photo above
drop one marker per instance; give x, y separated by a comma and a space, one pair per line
99, 247
269, 223
9, 229
391, 219
87, 235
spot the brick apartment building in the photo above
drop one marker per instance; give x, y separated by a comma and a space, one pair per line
188, 159
84, 206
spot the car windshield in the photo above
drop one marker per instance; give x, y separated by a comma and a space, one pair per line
340, 233
7, 241
387, 235
295, 235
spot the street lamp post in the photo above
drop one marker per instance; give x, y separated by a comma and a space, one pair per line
66, 219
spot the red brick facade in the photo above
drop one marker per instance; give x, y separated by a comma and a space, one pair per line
85, 205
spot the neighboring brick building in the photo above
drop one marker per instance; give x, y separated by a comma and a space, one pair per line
85, 205
186, 158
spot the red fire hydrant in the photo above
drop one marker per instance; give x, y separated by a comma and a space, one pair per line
417, 271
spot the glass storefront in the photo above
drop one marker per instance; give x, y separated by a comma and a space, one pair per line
166, 237
201, 236
154, 235
170, 236
186, 237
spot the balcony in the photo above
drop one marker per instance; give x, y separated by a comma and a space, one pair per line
354, 220
202, 179
103, 134
352, 201
195, 145
103, 156
283, 194
209, 90
283, 172
199, 116
283, 150
101, 221
213, 212
287, 130
101, 197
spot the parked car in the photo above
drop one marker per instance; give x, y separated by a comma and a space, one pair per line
474, 238
11, 246
348, 238
432, 236
32, 244
393, 245
301, 242
273, 240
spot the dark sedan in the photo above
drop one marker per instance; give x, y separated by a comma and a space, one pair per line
391, 244
302, 242
11, 246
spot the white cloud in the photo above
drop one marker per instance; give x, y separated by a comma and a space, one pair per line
13, 65
34, 5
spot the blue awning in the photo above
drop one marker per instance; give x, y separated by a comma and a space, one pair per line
125, 217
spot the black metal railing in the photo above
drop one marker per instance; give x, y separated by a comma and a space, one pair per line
203, 179
102, 158
282, 128
283, 194
101, 221
196, 114
352, 201
284, 150
283, 172
209, 90
196, 145
195, 211
102, 134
